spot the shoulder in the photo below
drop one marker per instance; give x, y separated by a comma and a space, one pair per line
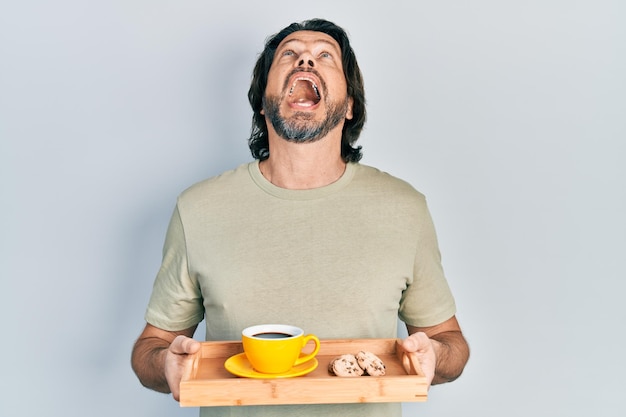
381, 182
212, 187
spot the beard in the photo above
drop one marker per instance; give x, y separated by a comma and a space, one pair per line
301, 127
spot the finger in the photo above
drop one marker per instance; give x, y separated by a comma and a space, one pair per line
176, 393
409, 344
183, 345
415, 342
191, 346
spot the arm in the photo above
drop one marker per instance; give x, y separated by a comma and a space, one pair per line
161, 357
442, 350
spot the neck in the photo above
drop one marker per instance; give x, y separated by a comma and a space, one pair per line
301, 166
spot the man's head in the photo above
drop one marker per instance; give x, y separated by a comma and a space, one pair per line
264, 102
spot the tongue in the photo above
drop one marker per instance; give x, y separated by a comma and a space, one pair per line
303, 93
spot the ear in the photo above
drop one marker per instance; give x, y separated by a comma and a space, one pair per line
262, 112
349, 114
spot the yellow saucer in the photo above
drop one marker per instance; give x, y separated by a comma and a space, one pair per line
240, 366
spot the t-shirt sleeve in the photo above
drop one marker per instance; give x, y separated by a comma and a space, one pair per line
427, 300
176, 299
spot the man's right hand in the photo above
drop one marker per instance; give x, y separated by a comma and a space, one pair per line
161, 358
178, 362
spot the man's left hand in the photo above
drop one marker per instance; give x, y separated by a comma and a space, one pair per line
424, 347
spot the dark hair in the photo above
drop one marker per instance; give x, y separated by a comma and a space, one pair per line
258, 140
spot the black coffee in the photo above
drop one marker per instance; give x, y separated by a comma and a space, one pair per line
272, 335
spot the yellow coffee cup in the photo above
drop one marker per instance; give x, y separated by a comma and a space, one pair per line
276, 348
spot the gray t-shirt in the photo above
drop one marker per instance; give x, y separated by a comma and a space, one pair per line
341, 261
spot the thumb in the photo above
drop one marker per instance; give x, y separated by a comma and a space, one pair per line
183, 345
415, 342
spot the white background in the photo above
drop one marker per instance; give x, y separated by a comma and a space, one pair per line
509, 116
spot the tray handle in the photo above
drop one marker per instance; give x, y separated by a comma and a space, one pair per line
409, 360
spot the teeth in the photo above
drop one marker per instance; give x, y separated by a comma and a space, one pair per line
317, 93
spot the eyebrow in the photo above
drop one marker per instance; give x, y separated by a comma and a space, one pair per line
320, 40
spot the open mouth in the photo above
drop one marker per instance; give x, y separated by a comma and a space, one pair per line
304, 92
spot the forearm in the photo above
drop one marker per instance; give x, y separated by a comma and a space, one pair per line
452, 353
148, 362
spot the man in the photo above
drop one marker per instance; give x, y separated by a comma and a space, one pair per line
303, 235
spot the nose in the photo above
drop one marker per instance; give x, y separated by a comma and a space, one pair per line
308, 61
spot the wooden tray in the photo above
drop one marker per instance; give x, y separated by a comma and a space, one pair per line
210, 384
